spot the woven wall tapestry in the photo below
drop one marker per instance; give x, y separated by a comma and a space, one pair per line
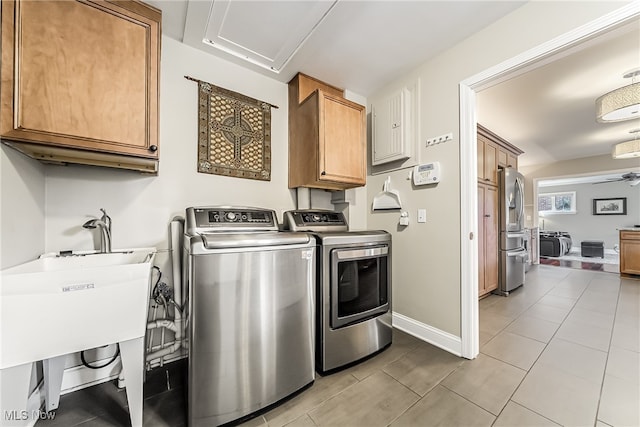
234, 133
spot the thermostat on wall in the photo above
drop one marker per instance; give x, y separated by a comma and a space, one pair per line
427, 173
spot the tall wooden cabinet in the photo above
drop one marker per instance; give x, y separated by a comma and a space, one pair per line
80, 81
494, 153
327, 137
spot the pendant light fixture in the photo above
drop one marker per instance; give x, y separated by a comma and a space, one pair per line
622, 103
627, 149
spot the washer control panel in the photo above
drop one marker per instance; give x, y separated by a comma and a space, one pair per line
315, 220
225, 218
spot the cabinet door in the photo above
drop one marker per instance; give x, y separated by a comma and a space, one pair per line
481, 142
512, 161
502, 158
487, 239
630, 255
487, 161
342, 129
84, 75
481, 285
491, 163
490, 238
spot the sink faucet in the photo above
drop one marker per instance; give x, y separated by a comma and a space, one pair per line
104, 224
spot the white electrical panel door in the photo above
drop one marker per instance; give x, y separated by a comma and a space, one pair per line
391, 132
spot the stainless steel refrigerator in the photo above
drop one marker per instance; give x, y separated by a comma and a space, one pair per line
513, 256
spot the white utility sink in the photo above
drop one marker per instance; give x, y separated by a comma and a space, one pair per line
61, 304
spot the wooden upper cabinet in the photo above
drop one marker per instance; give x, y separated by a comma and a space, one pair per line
80, 81
490, 163
327, 137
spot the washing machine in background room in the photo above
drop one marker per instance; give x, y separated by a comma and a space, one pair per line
353, 294
250, 312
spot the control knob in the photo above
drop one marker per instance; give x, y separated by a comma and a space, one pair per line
230, 216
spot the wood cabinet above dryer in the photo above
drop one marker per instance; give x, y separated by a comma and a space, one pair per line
327, 137
80, 81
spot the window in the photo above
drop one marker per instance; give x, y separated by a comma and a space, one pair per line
557, 203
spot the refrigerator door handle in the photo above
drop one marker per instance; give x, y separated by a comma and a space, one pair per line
521, 254
521, 191
513, 254
511, 234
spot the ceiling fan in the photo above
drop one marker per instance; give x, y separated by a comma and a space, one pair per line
633, 178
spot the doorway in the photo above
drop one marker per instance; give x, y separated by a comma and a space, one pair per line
523, 63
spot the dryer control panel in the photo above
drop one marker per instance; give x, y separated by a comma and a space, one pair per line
315, 220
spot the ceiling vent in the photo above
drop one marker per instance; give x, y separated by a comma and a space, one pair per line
264, 33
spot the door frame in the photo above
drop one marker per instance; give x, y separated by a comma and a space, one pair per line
525, 62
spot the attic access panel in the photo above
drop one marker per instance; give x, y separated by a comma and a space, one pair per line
266, 33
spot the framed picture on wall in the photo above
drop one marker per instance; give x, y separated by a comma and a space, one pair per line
613, 206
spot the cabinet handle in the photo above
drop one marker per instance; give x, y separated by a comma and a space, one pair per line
487, 216
153, 148
323, 173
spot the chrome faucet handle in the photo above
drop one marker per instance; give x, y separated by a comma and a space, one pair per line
106, 218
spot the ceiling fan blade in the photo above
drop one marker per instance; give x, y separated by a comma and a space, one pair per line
609, 180
631, 176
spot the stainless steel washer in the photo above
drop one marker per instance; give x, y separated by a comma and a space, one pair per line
250, 312
353, 295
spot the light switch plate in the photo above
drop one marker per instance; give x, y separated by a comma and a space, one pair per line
422, 215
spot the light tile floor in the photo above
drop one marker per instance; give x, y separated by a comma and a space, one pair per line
562, 350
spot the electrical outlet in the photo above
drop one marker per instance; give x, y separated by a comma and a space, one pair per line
440, 139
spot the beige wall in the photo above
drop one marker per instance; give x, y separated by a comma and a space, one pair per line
426, 257
22, 217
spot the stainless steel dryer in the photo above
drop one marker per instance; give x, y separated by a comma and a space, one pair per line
251, 305
353, 294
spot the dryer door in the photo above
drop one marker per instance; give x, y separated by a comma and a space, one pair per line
359, 284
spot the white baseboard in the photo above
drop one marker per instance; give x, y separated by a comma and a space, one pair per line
435, 336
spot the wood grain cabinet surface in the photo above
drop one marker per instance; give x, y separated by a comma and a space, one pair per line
494, 152
80, 81
327, 137
487, 239
630, 252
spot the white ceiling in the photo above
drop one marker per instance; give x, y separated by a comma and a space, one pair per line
363, 45
359, 45
550, 113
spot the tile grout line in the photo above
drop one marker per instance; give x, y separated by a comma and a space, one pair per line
543, 350
606, 363
510, 399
